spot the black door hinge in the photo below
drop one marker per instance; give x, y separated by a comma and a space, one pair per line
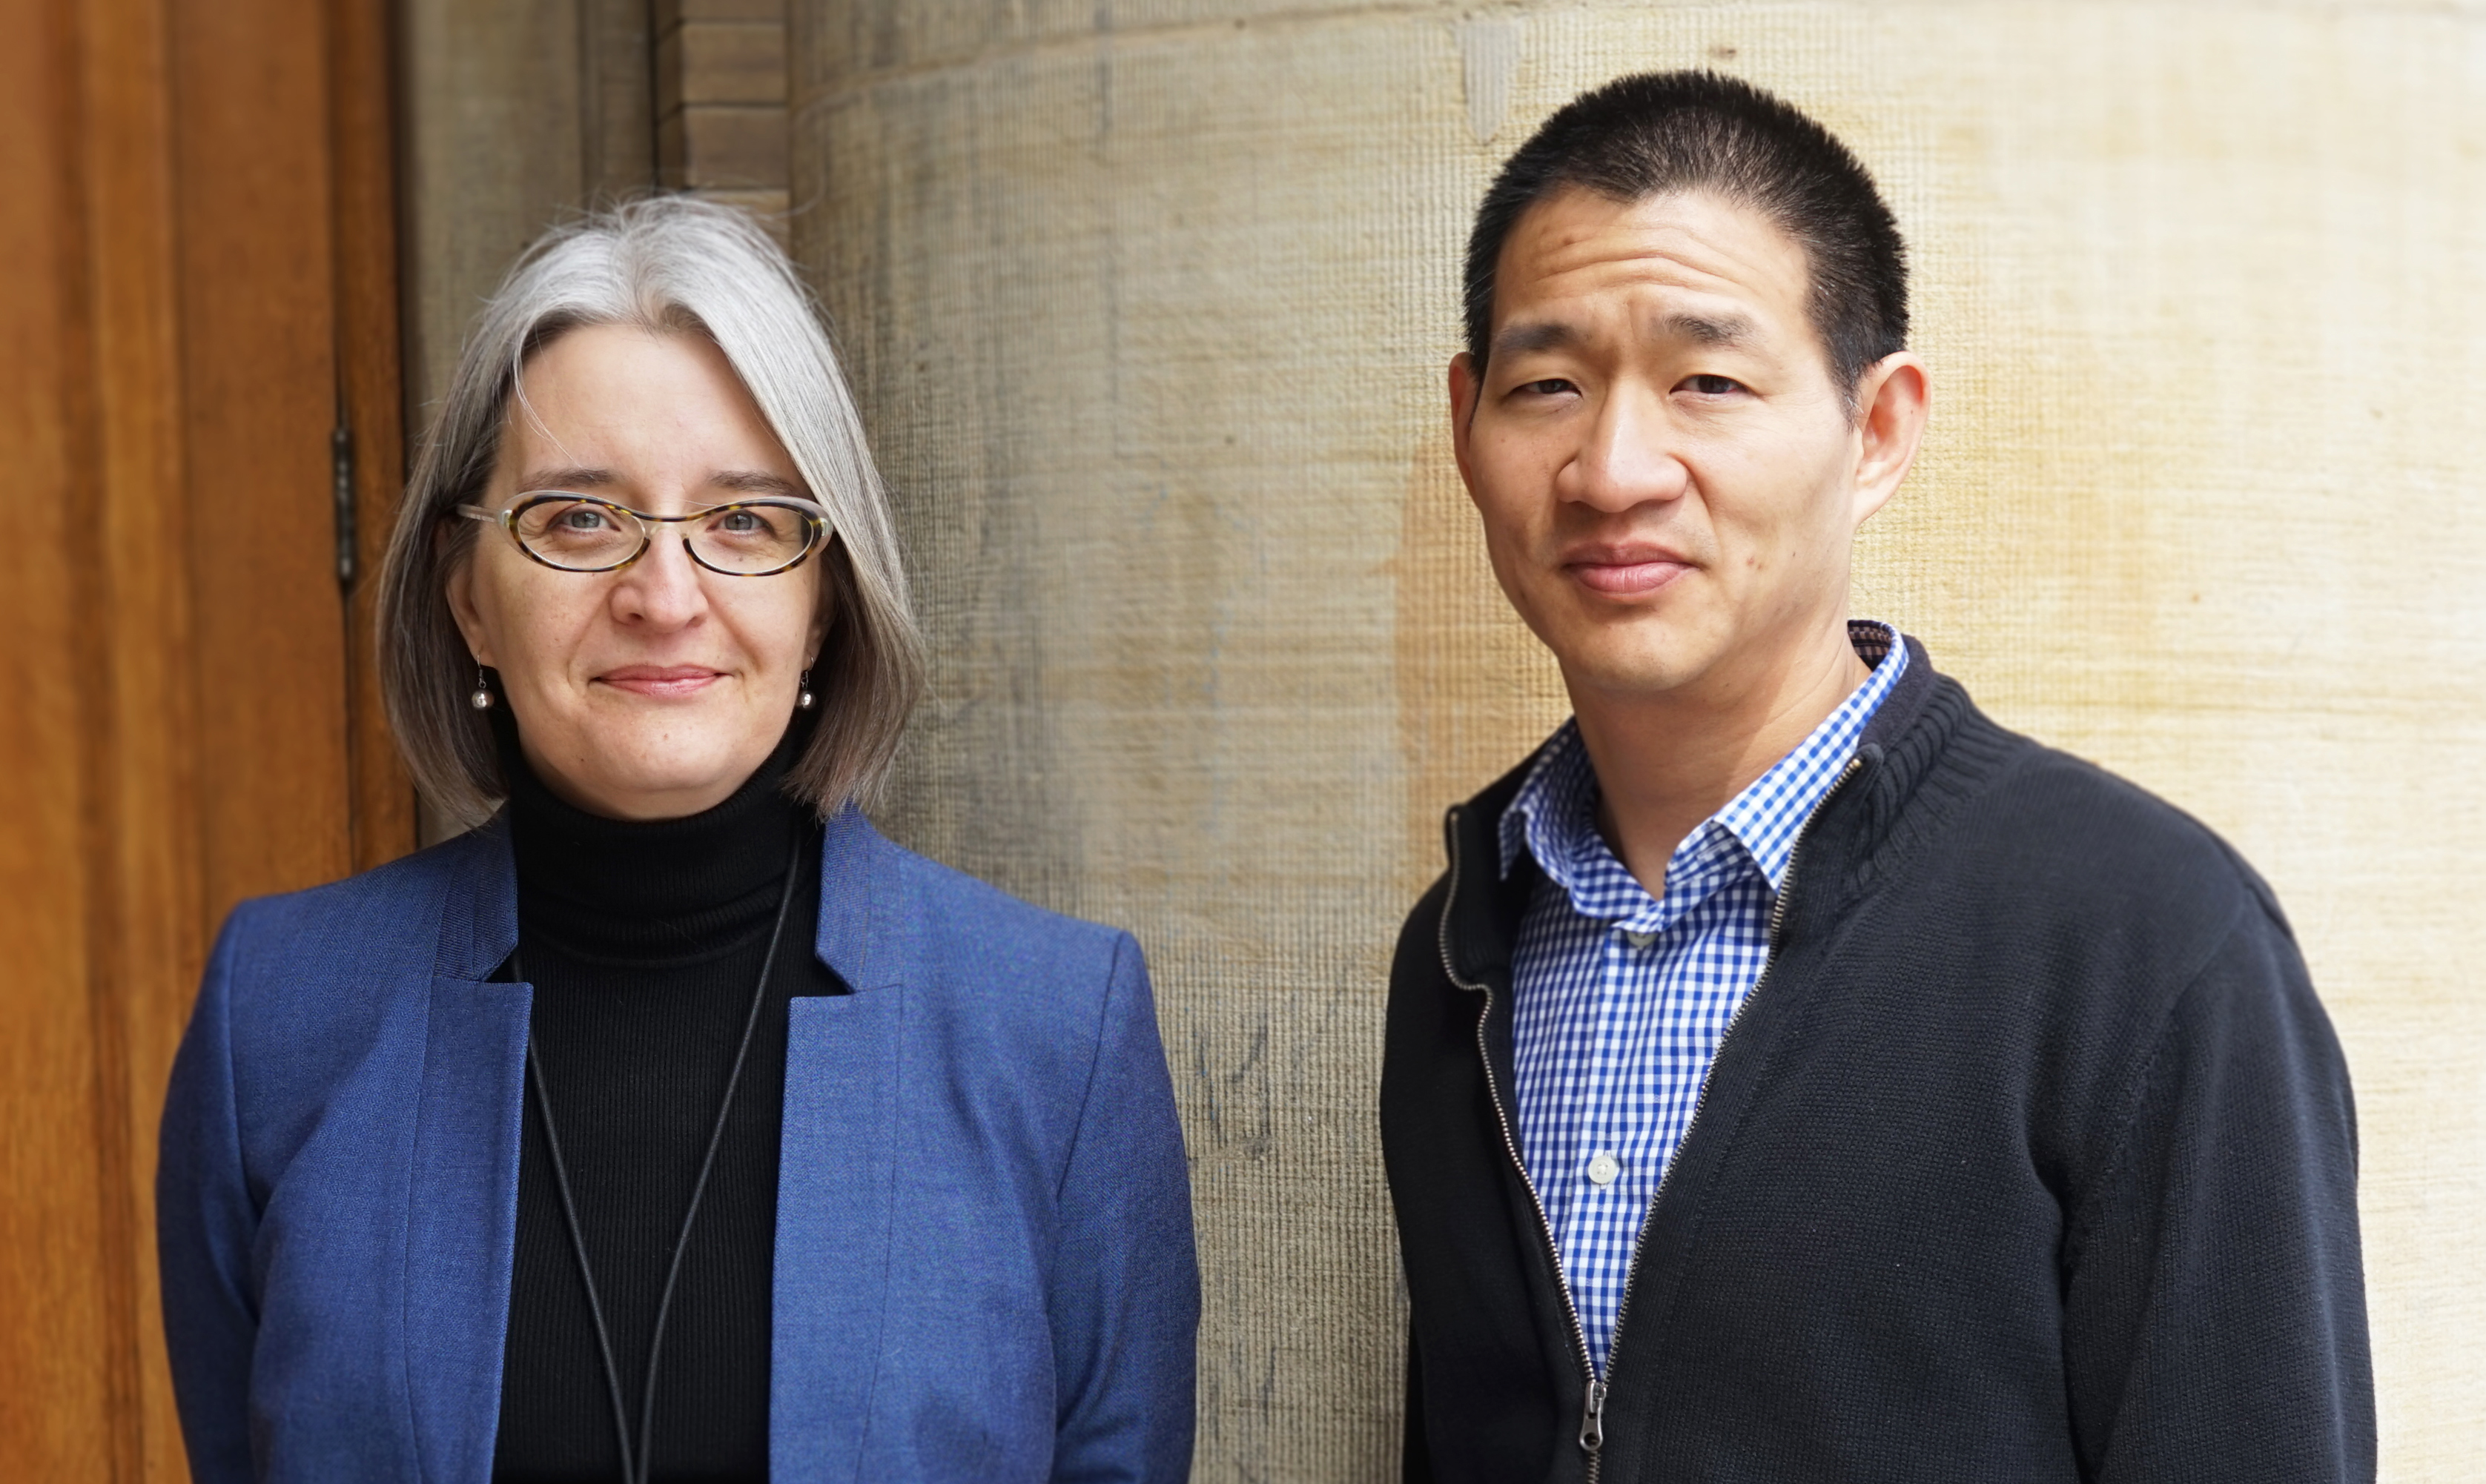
341, 471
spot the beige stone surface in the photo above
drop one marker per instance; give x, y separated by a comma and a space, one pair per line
517, 114
721, 61
1148, 307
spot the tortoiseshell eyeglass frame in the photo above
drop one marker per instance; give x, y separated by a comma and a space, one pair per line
815, 527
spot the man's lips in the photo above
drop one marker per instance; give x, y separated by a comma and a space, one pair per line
664, 681
1625, 571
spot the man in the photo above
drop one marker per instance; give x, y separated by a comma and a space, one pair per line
1796, 1076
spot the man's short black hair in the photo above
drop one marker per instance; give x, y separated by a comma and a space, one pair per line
1659, 133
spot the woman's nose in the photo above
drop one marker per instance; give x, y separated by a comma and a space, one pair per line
663, 586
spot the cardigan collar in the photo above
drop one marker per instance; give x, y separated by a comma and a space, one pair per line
1482, 909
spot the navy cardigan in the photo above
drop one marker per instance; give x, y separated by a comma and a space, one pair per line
2032, 1157
983, 1261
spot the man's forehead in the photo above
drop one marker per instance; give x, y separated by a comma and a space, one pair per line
1725, 262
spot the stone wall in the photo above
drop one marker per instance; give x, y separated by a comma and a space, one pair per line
1149, 307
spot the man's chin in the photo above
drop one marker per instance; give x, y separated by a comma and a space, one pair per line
1641, 670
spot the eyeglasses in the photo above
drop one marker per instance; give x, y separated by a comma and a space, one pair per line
577, 533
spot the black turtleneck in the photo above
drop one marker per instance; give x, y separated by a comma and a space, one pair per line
643, 942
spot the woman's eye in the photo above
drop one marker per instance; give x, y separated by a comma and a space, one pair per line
739, 523
1714, 386
583, 518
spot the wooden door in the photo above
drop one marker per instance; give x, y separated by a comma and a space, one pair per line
198, 410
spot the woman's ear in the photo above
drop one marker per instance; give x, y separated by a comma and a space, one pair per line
459, 590
824, 606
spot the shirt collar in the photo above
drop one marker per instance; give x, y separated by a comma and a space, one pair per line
1553, 816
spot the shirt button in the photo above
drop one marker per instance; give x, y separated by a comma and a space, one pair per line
1639, 940
1603, 1168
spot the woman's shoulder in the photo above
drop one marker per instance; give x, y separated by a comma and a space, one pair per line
393, 904
330, 958
313, 991
967, 934
1023, 1007
975, 911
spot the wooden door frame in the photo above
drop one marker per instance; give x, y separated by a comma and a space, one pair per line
370, 384
124, 862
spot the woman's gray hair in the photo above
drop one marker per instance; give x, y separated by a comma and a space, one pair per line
668, 264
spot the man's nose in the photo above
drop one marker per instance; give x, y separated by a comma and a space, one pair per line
1629, 457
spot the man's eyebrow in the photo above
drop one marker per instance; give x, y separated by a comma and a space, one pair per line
1701, 330
1531, 336
574, 476
1535, 335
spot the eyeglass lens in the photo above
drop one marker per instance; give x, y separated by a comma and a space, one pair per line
589, 536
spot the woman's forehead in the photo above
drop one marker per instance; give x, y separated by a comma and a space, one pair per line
615, 404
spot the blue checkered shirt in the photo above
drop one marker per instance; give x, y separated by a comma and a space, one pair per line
1618, 998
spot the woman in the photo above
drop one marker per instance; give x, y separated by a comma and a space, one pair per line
670, 1123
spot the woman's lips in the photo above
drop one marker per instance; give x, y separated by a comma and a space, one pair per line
1628, 578
662, 681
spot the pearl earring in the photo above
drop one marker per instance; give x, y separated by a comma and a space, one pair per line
481, 698
803, 697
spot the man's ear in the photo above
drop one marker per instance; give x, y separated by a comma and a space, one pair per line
1465, 387
1892, 399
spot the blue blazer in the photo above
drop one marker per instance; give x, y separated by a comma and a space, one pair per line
983, 1261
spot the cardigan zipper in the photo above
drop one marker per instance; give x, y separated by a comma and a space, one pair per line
1592, 1429
1593, 1415
1701, 1099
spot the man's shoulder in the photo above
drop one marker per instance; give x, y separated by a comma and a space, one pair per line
2062, 834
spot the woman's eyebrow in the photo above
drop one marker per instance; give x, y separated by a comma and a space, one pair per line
756, 482
572, 477
581, 477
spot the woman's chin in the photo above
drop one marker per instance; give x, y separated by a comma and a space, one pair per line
664, 787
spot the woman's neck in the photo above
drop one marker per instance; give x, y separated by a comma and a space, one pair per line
631, 890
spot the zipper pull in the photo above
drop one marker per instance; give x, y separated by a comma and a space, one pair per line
1592, 1421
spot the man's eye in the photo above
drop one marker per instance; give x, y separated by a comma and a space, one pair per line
1714, 386
1550, 386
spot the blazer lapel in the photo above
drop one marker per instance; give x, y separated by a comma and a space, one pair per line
844, 1068
463, 1190
844, 1074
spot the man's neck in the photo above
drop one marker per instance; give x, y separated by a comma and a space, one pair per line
1669, 761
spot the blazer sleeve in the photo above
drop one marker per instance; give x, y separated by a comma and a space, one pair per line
2215, 1302
1126, 1293
205, 1226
